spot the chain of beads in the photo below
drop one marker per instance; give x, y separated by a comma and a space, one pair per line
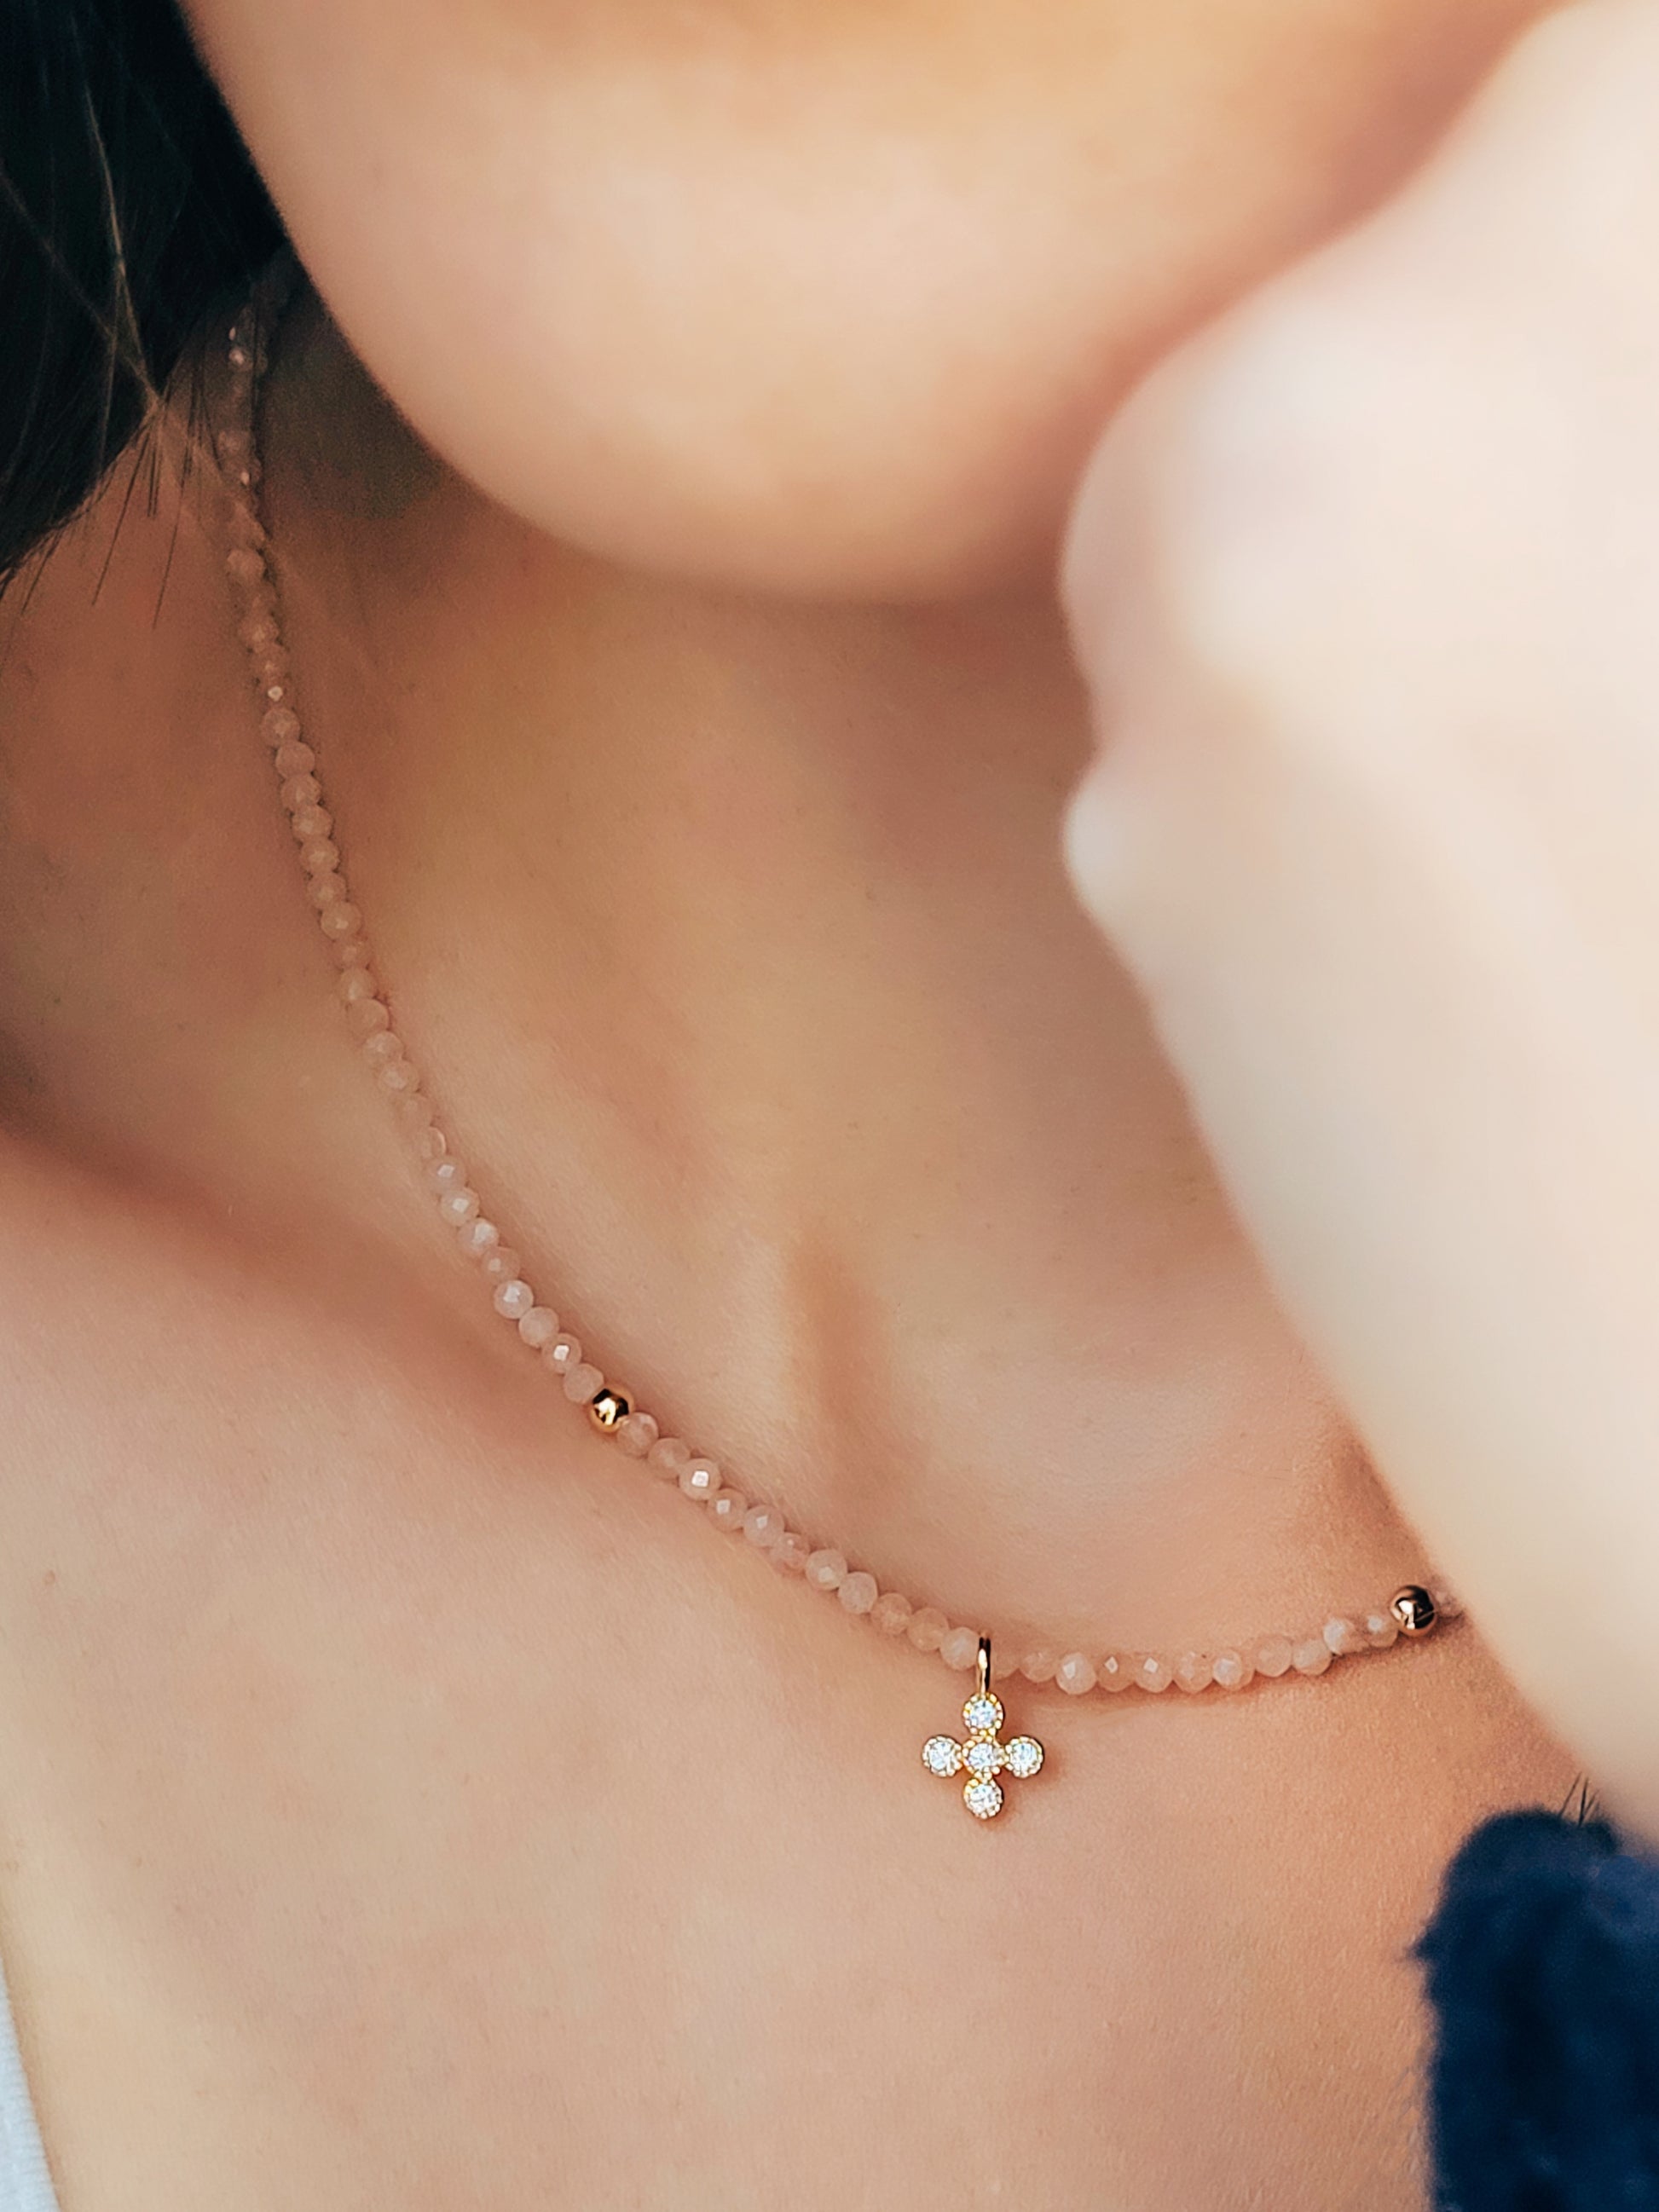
1412, 1611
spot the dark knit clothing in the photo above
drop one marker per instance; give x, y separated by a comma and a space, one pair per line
1542, 1963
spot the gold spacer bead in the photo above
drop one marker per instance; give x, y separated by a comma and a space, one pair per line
609, 1410
1414, 1610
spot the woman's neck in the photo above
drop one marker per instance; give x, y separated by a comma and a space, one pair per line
734, 939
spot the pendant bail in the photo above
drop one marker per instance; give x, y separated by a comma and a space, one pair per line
984, 1664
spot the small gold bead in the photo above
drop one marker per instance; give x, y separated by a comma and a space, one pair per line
610, 1409
1414, 1610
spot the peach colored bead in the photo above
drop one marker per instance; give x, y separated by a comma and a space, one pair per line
459, 1205
565, 1350
539, 1327
1272, 1656
1194, 1671
1076, 1675
1039, 1665
342, 921
499, 1264
276, 725
364, 1017
245, 564
1381, 1630
386, 1045
428, 1142
314, 822
325, 891
727, 1509
1233, 1671
1115, 1673
791, 1552
826, 1569
636, 1433
478, 1236
892, 1613
1152, 1672
1005, 1663
928, 1628
1312, 1655
398, 1077
666, 1456
356, 983
858, 1592
300, 791
320, 856
1342, 1636
1447, 1603
960, 1649
513, 1298
294, 756
447, 1175
763, 1525
583, 1382
699, 1479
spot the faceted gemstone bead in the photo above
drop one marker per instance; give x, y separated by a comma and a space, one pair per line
1075, 1674
513, 1298
791, 1552
1114, 1672
539, 1327
1194, 1671
1311, 1655
365, 1016
892, 1613
858, 1592
1233, 1671
1273, 1654
727, 1509
582, 1383
636, 1433
826, 1569
1381, 1630
763, 1525
960, 1649
699, 1479
1343, 1636
1039, 1665
927, 1629
476, 1236
1151, 1672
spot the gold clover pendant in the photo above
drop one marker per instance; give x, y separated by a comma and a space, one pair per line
983, 1756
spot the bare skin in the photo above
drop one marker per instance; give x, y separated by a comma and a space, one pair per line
403, 1804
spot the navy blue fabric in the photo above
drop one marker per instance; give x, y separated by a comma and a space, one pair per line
1542, 1962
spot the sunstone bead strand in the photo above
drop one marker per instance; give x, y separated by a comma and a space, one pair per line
637, 1434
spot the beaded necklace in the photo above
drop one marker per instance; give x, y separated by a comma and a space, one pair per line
981, 1755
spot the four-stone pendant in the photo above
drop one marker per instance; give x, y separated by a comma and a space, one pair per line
983, 1756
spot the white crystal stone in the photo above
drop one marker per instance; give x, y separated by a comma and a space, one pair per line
942, 1754
982, 1755
983, 1798
1023, 1755
982, 1714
